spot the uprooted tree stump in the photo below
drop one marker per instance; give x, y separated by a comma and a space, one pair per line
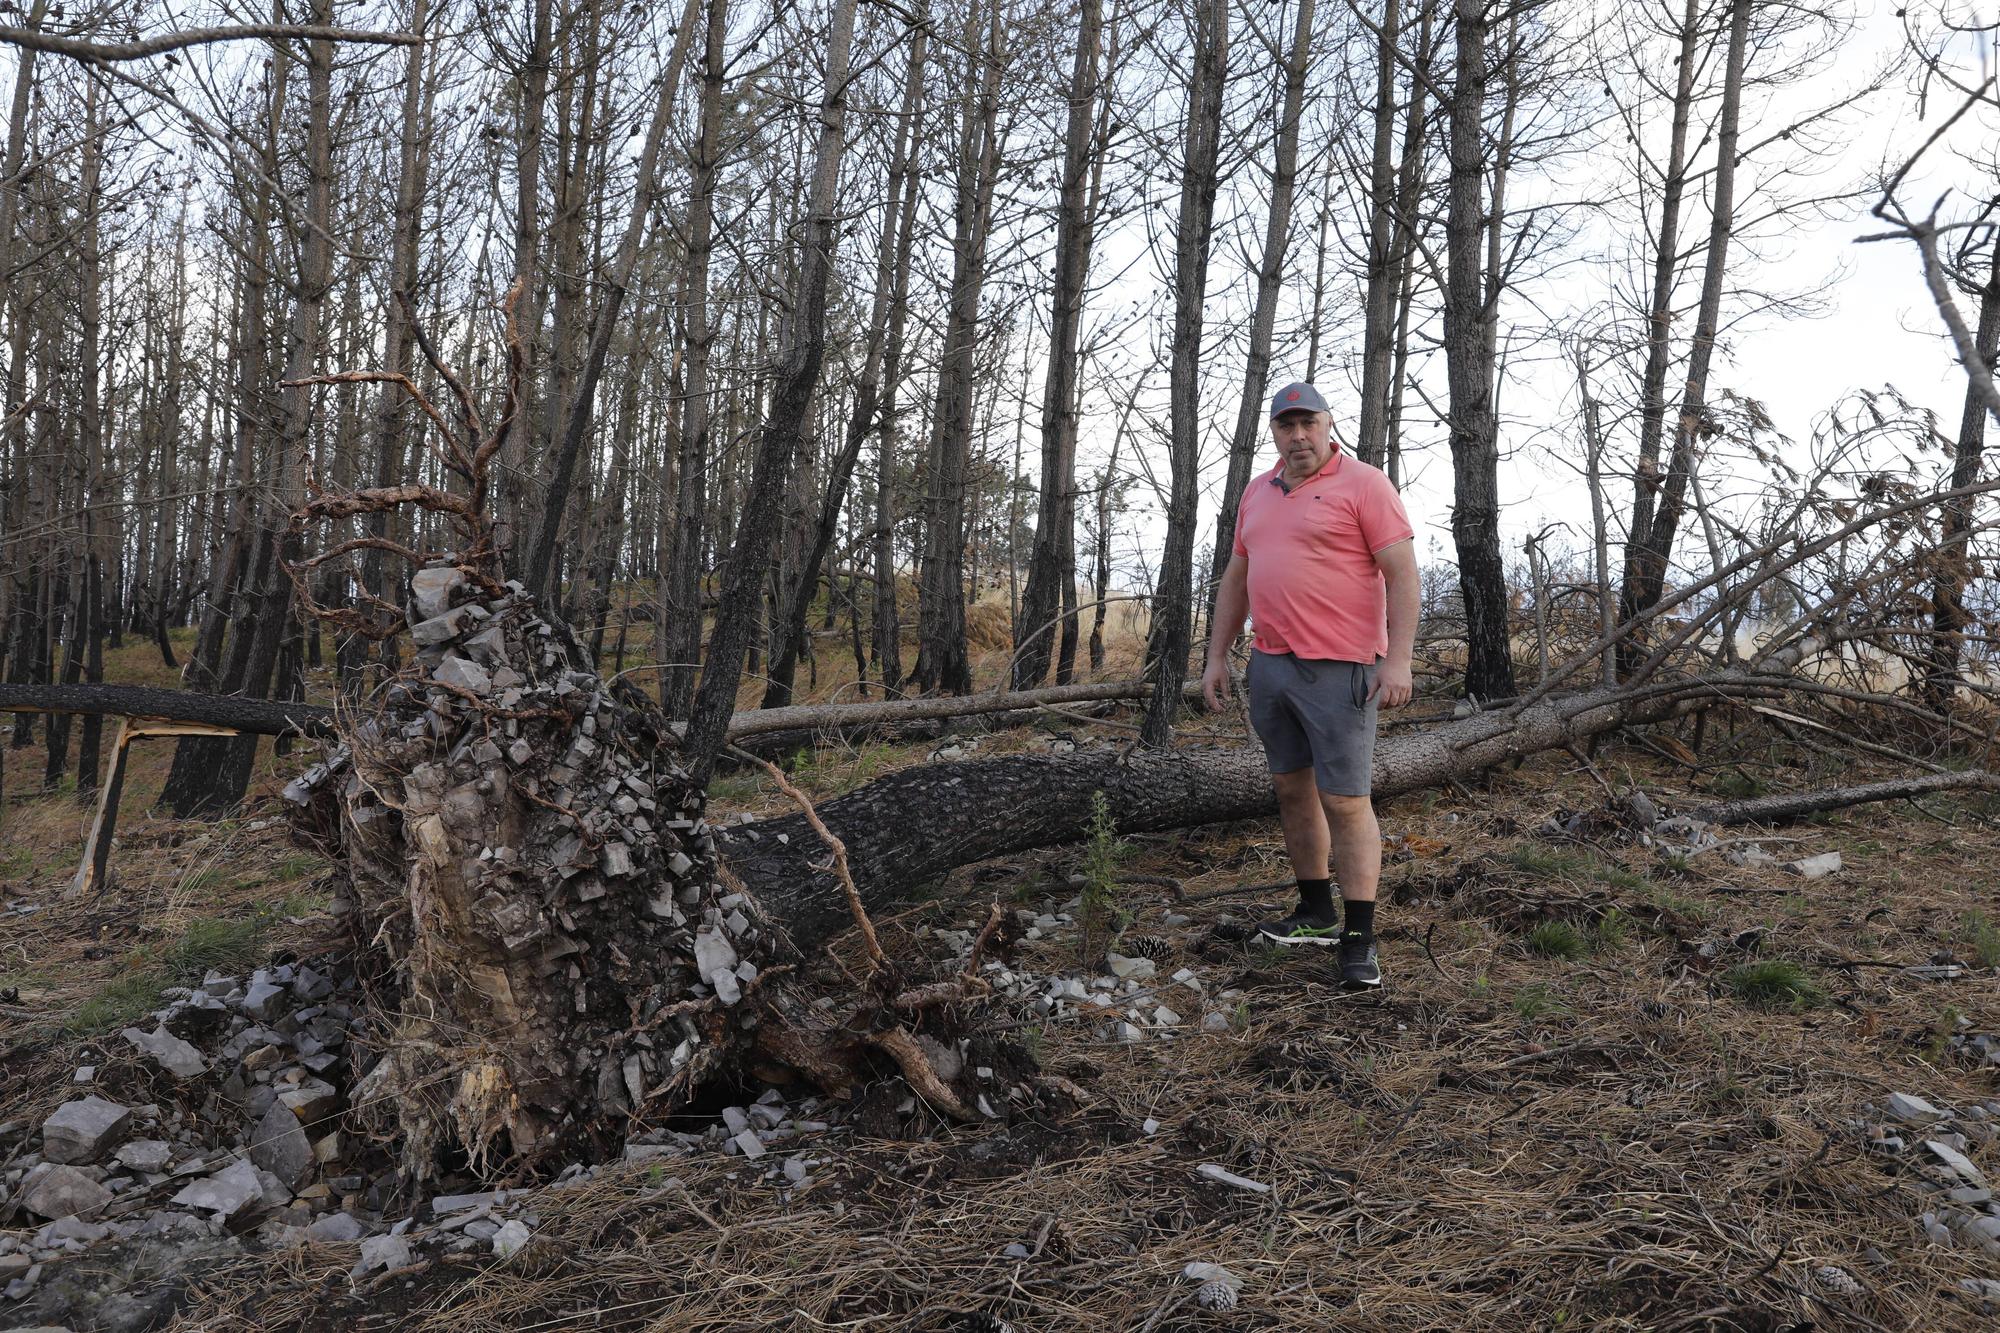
553, 950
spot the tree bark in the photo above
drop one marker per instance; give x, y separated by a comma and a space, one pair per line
1172, 632
1049, 564
1378, 318
1949, 617
885, 327
583, 393
942, 658
904, 832
1250, 415
1653, 546
1468, 315
798, 379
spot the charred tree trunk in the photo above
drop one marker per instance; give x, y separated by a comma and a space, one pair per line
942, 658
1652, 546
785, 420
1949, 617
1052, 559
1468, 316
677, 636
1172, 635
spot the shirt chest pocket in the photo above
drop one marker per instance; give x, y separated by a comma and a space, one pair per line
1334, 525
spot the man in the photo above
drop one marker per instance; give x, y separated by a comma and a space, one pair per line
1325, 566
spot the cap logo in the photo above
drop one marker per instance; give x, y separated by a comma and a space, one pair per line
1292, 397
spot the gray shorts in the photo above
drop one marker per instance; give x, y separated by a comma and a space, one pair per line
1312, 713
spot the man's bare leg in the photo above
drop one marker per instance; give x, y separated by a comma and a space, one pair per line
1302, 812
1355, 845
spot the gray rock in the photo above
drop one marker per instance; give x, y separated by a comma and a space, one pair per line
439, 628
174, 1055
750, 1145
225, 1193
279, 1145
1815, 867
795, 1170
508, 1240
197, 1017
336, 1229
311, 986
1210, 1171
713, 953
736, 1118
481, 1228
1983, 1232
1912, 1110
130, 1312
264, 1001
84, 1130
312, 1100
1957, 1162
387, 1253
431, 589
1214, 1022
55, 1190
1982, 1289
1127, 1032
144, 1154
1136, 969
727, 988
453, 1203
463, 673
72, 1228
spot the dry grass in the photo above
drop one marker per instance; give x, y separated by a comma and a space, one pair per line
1508, 1137
1501, 1140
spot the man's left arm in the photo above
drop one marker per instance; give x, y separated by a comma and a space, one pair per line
1398, 563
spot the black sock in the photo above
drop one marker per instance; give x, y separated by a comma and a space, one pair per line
1360, 916
1316, 896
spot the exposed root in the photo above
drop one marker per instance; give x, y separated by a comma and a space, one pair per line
901, 1047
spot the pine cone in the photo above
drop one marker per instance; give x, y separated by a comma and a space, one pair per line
1216, 1295
1145, 946
1837, 1280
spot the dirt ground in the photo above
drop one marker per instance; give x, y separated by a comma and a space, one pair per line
1608, 1084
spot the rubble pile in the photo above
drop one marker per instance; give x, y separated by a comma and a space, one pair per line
1935, 1146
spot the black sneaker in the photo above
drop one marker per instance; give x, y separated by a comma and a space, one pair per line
1358, 968
1301, 927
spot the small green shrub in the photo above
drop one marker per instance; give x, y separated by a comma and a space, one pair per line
1980, 939
1608, 935
1774, 984
1537, 1001
1557, 939
1100, 916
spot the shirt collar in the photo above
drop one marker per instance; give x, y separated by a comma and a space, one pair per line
1277, 477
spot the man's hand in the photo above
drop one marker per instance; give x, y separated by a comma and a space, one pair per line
1393, 686
1215, 686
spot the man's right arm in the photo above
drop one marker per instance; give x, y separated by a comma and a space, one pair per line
1232, 604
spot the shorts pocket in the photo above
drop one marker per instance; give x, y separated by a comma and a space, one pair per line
1360, 684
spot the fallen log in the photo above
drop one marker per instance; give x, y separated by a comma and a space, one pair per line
905, 831
1797, 805
265, 717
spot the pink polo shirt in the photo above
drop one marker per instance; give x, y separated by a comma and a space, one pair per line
1315, 590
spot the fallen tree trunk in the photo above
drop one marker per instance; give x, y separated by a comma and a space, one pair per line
1797, 805
264, 717
905, 831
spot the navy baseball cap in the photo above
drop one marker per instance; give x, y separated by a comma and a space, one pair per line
1297, 396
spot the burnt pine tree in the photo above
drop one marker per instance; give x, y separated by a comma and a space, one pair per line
1172, 632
